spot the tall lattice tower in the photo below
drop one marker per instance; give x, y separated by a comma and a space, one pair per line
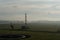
25, 19
25, 23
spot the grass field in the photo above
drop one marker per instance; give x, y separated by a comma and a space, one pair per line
34, 35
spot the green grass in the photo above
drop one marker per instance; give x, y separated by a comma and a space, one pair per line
34, 35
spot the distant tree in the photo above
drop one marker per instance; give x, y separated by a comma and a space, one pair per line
12, 27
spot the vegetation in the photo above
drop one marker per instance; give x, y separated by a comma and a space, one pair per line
39, 31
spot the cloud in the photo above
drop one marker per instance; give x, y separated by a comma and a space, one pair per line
36, 9
45, 0
32, 6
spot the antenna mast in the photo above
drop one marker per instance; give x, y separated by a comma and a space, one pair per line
25, 19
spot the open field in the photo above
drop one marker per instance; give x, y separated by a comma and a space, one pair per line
34, 26
40, 31
34, 35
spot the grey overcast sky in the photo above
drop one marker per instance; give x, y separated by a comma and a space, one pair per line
36, 10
